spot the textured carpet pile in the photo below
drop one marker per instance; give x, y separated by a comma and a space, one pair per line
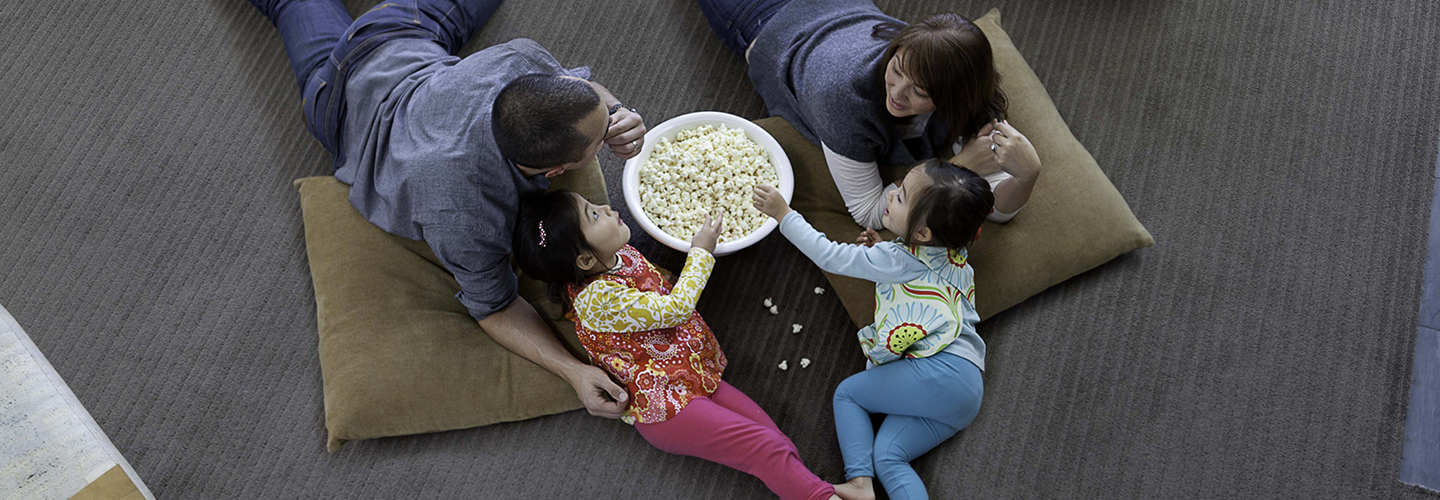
1281, 153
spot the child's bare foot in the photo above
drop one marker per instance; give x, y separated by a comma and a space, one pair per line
860, 488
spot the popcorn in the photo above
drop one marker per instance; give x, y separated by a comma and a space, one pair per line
819, 291
804, 362
795, 328
774, 310
784, 365
768, 303
703, 171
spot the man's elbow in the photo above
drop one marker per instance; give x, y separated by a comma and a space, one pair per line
491, 313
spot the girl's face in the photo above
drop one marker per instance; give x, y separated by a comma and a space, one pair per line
603, 230
902, 97
899, 201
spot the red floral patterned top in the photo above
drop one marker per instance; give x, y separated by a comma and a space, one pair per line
638, 327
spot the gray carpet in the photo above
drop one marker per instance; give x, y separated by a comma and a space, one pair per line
1281, 153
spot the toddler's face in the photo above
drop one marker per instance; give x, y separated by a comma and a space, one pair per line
899, 201
602, 227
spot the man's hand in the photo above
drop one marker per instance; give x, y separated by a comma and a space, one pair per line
520, 329
709, 234
626, 134
601, 395
868, 238
769, 201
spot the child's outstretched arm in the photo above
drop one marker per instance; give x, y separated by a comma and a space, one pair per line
878, 263
607, 306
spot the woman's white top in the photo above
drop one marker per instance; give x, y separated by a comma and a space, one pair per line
864, 193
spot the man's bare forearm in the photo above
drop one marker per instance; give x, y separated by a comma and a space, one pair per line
520, 329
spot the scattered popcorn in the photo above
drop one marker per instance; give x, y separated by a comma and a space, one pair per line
768, 303
795, 328
819, 291
784, 365
774, 310
804, 362
705, 170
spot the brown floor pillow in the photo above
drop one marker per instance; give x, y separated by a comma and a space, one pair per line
398, 353
1075, 219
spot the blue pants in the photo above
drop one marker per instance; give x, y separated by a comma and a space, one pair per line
925, 401
324, 44
738, 22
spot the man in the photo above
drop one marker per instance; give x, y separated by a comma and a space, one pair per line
440, 148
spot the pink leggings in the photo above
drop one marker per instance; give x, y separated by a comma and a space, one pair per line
729, 429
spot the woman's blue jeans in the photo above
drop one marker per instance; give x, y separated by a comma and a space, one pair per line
324, 44
738, 22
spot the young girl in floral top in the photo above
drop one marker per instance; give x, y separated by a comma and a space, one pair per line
924, 356
646, 333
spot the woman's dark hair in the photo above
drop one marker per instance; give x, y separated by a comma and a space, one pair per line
949, 58
953, 207
533, 119
554, 261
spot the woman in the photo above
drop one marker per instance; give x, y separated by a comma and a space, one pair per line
870, 89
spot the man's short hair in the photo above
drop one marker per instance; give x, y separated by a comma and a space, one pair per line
534, 119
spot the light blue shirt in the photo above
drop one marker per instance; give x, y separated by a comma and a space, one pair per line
885, 263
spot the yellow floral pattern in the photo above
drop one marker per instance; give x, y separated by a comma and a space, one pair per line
611, 306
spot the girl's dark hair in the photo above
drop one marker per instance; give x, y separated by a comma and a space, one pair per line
953, 207
553, 262
950, 58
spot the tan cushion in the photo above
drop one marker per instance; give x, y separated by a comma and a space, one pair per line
1075, 219
399, 354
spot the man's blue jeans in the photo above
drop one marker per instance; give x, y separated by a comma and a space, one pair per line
324, 44
738, 22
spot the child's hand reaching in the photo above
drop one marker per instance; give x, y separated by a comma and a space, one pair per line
868, 238
769, 201
709, 233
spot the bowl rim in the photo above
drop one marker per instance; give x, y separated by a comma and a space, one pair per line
630, 180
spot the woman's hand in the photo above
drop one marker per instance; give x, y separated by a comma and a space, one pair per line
626, 134
709, 234
769, 201
977, 151
1013, 151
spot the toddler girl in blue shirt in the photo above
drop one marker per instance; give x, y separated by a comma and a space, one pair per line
924, 357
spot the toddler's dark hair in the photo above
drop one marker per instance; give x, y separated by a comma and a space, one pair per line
953, 207
553, 262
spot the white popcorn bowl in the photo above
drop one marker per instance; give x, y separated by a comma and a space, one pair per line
630, 182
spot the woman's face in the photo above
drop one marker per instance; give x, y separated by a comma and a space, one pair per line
902, 97
603, 229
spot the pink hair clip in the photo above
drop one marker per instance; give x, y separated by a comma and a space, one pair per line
542, 233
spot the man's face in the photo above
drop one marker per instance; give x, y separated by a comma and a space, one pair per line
594, 125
